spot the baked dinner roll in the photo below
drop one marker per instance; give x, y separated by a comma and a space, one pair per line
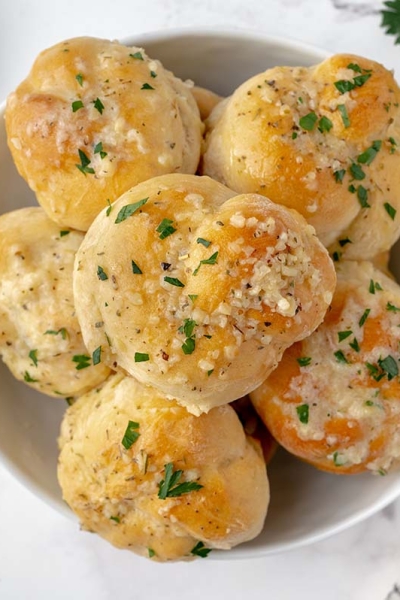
40, 338
323, 140
196, 291
143, 473
254, 427
206, 100
94, 118
334, 399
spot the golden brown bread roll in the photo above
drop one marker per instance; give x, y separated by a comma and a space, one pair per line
197, 292
254, 427
116, 445
334, 399
94, 118
206, 100
323, 140
40, 337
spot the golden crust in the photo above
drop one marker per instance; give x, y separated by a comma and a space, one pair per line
39, 332
114, 490
340, 409
131, 134
206, 100
257, 143
216, 302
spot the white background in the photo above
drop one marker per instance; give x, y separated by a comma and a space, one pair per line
42, 555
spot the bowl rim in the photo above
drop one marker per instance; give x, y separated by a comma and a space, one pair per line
243, 551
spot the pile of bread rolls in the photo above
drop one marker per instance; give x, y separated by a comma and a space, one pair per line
194, 258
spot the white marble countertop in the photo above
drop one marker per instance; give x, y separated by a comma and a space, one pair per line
44, 556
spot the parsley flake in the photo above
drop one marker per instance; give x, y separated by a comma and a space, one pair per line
29, 379
340, 357
193, 297
131, 435
344, 85
76, 105
392, 307
33, 356
389, 366
189, 345
98, 149
153, 74
304, 361
129, 209
147, 86
200, 550
325, 124
101, 274
64, 232
116, 519
303, 413
374, 286
344, 242
137, 56
342, 335
339, 175
364, 317
96, 356
308, 121
99, 106
362, 195
151, 552
85, 162
62, 332
338, 460
141, 357
207, 261
354, 67
109, 209
165, 228
169, 486
343, 113
370, 153
82, 361
355, 345
79, 78
390, 210
357, 172
205, 243
136, 270
174, 281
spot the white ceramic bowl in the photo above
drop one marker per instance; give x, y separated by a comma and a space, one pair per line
306, 505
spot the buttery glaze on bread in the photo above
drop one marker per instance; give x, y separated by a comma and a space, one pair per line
323, 140
113, 483
40, 338
92, 119
196, 291
334, 399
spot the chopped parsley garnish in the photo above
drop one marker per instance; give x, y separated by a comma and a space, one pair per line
33, 356
337, 460
207, 261
342, 335
82, 361
374, 286
302, 413
391, 19
62, 332
147, 86
204, 242
99, 106
28, 378
210, 372
109, 209
359, 80
116, 519
344, 85
165, 228
131, 435
362, 195
392, 141
153, 74
200, 550
151, 552
390, 210
79, 78
369, 403
98, 149
129, 209
336, 256
389, 366
101, 274
137, 56
392, 307
357, 172
364, 317
308, 121
174, 281
193, 297
343, 113
169, 486
338, 175
344, 242
188, 328
64, 232
141, 357
304, 361
294, 135
340, 357
136, 270
76, 105
355, 345
382, 472
325, 124
96, 356
352, 189
370, 153
354, 67
189, 345
85, 162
